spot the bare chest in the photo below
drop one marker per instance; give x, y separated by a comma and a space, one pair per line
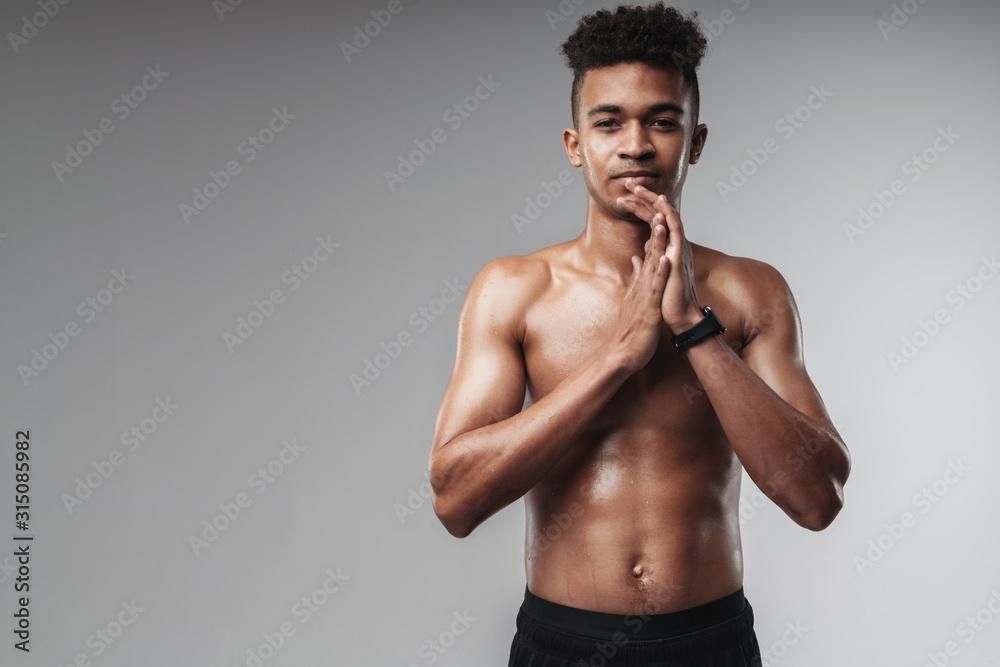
567, 325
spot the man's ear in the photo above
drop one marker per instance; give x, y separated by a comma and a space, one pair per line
698, 143
571, 139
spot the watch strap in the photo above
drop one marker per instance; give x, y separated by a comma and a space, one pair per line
709, 326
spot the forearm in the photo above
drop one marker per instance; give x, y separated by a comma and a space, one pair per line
798, 461
482, 471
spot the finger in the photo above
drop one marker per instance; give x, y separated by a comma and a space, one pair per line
656, 250
658, 220
640, 209
659, 281
643, 197
652, 251
658, 236
655, 203
661, 204
646, 257
673, 219
675, 231
653, 278
640, 191
644, 194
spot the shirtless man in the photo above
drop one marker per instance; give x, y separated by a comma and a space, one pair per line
629, 455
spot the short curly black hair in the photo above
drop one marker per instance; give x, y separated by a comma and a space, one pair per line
656, 35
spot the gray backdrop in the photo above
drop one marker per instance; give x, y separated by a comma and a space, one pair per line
228, 331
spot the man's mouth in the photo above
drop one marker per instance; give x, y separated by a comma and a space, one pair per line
643, 178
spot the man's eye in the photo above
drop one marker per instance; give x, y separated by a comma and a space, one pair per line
605, 123
664, 122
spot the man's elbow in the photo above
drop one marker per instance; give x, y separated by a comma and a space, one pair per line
821, 513
451, 517
825, 506
453, 513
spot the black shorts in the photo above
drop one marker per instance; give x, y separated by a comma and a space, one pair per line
716, 634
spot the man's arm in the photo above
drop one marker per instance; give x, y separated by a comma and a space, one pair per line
486, 452
767, 405
769, 408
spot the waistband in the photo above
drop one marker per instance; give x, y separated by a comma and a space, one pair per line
579, 634
602, 625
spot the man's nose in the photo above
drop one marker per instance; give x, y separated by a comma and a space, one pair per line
635, 143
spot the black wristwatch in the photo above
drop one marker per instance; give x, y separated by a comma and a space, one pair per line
707, 328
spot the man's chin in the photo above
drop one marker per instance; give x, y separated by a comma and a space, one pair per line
627, 216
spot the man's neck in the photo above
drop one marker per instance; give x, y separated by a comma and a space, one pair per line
607, 244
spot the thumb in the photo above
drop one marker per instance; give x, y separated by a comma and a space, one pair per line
636, 270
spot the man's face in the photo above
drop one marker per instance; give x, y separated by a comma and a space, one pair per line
634, 118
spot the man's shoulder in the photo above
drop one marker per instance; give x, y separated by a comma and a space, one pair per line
743, 278
504, 288
523, 275
752, 291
